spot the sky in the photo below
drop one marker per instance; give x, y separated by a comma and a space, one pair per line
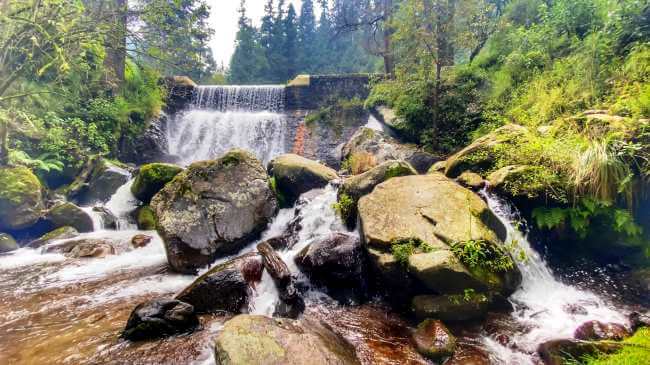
223, 19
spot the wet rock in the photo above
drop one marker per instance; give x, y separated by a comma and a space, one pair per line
434, 340
212, 209
109, 220
145, 218
180, 91
7, 243
291, 304
595, 330
471, 180
557, 352
439, 166
469, 355
381, 147
638, 320
149, 146
442, 272
337, 262
481, 154
57, 234
455, 308
95, 249
97, 182
289, 237
141, 240
151, 178
357, 186
68, 214
390, 277
387, 116
257, 340
160, 318
21, 198
225, 287
295, 175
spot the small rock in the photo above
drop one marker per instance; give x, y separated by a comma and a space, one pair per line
159, 318
7, 243
556, 352
65, 232
109, 221
595, 330
638, 320
140, 240
91, 249
68, 214
433, 340
469, 355
471, 180
21, 198
225, 287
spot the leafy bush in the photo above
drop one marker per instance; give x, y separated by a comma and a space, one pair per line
345, 207
482, 254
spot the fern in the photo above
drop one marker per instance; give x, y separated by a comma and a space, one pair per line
43, 163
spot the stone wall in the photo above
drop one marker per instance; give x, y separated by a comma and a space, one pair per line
311, 92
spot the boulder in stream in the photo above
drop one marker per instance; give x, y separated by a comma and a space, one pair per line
61, 233
141, 240
557, 352
226, 287
68, 214
295, 175
21, 198
434, 340
595, 330
97, 182
159, 318
291, 304
7, 243
337, 262
259, 340
212, 209
151, 178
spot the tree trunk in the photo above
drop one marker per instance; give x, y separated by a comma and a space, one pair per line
116, 45
389, 62
4, 141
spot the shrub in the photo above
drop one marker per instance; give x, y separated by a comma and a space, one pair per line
403, 248
345, 207
482, 254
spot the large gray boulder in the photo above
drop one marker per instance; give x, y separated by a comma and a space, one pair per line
225, 287
98, 181
21, 198
295, 175
259, 340
212, 209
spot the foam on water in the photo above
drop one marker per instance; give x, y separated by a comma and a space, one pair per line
27, 257
541, 302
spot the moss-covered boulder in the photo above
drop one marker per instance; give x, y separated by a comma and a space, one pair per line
439, 166
434, 340
21, 198
145, 218
151, 178
68, 214
522, 183
471, 180
375, 147
259, 340
60, 233
7, 243
357, 186
481, 155
418, 220
451, 307
213, 209
295, 175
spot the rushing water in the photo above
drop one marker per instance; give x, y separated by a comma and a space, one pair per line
545, 308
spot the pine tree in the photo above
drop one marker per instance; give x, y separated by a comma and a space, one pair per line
248, 63
290, 43
307, 42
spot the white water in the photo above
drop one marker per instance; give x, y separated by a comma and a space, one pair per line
251, 98
540, 303
122, 204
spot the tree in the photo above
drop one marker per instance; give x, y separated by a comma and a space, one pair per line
248, 62
307, 46
290, 43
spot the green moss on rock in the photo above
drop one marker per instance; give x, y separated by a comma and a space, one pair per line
152, 178
146, 219
21, 198
7, 243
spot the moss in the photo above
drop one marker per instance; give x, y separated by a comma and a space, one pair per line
146, 219
18, 183
483, 255
346, 208
152, 178
282, 200
635, 351
397, 170
233, 158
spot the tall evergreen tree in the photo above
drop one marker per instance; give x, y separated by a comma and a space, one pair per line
290, 48
307, 42
248, 63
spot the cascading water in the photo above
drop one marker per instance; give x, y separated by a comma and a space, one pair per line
542, 304
225, 117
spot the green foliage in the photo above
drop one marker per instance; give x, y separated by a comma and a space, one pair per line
588, 213
345, 207
282, 200
635, 350
42, 163
483, 254
403, 248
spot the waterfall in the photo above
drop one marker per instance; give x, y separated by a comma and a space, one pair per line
542, 303
225, 117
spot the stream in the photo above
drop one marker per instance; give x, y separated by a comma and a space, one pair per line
62, 310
